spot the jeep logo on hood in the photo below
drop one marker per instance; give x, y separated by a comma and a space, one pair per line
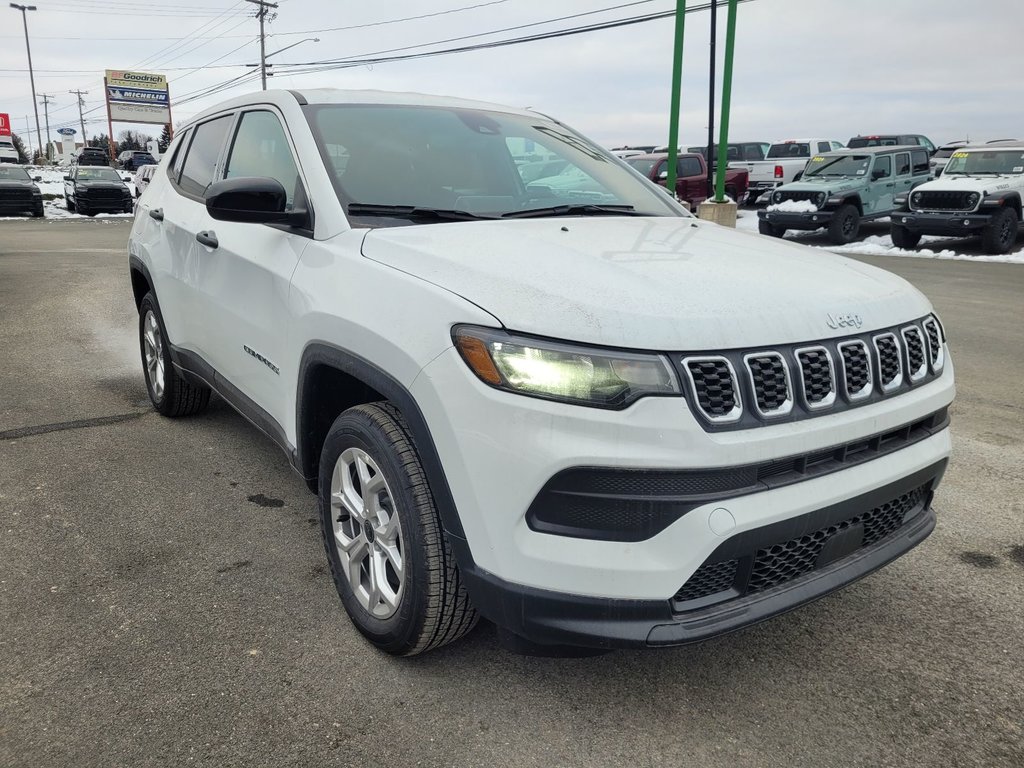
850, 320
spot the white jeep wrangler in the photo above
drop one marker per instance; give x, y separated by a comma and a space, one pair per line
979, 192
580, 412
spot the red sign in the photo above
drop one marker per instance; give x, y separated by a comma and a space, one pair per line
5, 125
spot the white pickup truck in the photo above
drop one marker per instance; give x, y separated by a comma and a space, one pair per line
784, 163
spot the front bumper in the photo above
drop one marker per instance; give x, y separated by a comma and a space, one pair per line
545, 617
795, 220
949, 224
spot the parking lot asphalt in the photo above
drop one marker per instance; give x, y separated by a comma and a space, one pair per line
165, 601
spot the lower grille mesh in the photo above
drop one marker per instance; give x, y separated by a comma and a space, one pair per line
709, 580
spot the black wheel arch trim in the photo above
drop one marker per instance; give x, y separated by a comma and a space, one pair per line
321, 353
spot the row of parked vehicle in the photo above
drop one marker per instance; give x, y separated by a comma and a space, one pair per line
129, 160
958, 189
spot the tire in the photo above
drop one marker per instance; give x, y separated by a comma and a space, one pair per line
69, 204
845, 225
767, 228
171, 394
421, 603
1000, 234
38, 213
903, 237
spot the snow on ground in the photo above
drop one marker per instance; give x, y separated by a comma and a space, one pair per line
53, 184
963, 249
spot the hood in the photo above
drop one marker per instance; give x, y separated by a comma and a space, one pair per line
834, 185
18, 184
963, 183
674, 284
101, 184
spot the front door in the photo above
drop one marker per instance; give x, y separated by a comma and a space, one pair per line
882, 185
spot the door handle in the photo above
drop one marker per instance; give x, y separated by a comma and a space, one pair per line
157, 213
890, 185
207, 238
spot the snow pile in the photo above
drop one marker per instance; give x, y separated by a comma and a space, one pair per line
53, 184
794, 206
881, 245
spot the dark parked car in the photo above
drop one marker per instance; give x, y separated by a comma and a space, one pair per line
691, 176
18, 192
892, 140
97, 190
132, 160
92, 156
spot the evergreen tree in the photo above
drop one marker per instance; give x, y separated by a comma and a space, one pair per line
20, 147
101, 140
165, 139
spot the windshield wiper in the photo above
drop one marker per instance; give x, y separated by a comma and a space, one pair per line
412, 212
585, 209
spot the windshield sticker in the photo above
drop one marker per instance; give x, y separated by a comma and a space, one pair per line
1018, 169
959, 154
861, 172
818, 159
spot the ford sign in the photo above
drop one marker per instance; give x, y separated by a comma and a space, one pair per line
66, 131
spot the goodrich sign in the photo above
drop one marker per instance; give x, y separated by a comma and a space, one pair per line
137, 97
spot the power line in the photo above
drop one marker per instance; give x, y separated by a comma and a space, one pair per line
183, 41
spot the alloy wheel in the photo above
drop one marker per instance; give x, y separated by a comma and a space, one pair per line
153, 351
367, 533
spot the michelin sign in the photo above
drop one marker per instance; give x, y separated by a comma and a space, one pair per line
137, 97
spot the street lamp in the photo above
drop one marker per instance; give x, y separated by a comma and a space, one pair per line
31, 76
280, 50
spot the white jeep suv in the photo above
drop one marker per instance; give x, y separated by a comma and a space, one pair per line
979, 192
578, 412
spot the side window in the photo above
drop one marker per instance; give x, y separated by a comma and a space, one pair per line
823, 146
200, 169
909, 140
179, 156
688, 166
920, 160
883, 167
836, 145
751, 152
903, 164
260, 148
663, 168
927, 144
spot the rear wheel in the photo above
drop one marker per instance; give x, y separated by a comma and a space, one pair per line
69, 203
845, 225
903, 237
389, 557
767, 228
1000, 234
171, 394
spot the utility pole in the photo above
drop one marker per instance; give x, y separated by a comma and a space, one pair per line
81, 103
261, 14
711, 103
31, 76
46, 110
677, 83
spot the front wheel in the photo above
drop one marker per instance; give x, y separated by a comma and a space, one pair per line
767, 228
388, 554
845, 225
903, 237
69, 203
171, 394
1000, 233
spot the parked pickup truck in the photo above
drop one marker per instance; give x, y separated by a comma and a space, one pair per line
691, 176
978, 193
841, 189
785, 162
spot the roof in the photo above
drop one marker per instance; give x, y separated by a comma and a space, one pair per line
874, 150
661, 156
1012, 146
281, 98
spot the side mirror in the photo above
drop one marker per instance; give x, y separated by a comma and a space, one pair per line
40, 178
126, 178
663, 175
249, 199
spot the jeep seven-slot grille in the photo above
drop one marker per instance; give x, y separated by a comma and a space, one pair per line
771, 382
938, 200
714, 385
738, 389
816, 374
774, 564
856, 367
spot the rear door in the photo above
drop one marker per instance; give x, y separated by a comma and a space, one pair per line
904, 178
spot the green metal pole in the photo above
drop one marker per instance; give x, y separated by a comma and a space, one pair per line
677, 77
723, 137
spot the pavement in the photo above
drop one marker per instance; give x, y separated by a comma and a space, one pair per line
165, 601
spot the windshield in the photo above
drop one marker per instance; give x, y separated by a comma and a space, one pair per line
477, 162
97, 174
19, 174
872, 141
789, 149
642, 164
842, 165
945, 152
1008, 161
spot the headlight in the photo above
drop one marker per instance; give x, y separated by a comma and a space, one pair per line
819, 199
556, 370
915, 199
776, 197
972, 199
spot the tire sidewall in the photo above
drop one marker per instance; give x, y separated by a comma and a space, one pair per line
147, 305
836, 228
354, 429
998, 222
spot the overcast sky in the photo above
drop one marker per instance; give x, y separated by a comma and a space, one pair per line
829, 68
